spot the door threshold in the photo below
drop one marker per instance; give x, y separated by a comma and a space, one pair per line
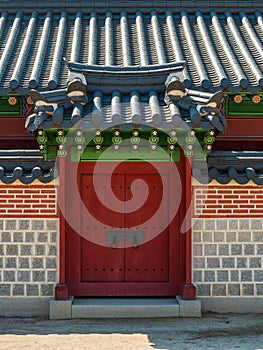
124, 308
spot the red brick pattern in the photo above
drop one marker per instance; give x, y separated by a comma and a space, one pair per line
28, 201
228, 201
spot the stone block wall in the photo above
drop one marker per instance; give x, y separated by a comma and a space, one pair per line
29, 241
228, 246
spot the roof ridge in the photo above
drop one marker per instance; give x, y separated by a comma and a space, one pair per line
131, 4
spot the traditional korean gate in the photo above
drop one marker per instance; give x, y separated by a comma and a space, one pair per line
121, 252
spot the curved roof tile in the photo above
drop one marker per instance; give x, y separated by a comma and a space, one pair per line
224, 167
223, 50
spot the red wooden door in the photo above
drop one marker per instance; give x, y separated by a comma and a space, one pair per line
125, 253
100, 260
148, 261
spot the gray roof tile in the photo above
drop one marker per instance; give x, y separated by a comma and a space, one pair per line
222, 166
222, 49
25, 165
242, 166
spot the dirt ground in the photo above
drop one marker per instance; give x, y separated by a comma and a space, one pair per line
212, 331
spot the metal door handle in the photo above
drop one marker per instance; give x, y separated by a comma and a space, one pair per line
114, 244
135, 243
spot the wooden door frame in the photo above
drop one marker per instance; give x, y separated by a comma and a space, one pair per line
187, 289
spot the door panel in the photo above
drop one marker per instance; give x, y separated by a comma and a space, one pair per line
149, 262
100, 260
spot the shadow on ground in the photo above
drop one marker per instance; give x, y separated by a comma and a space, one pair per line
212, 331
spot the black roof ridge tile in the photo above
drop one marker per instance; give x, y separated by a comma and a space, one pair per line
132, 5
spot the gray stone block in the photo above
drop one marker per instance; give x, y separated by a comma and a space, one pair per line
249, 249
234, 289
233, 224
247, 289
2, 249
210, 249
219, 236
233, 305
241, 262
258, 276
199, 263
243, 224
259, 289
12, 249
10, 263
18, 237
51, 225
23, 263
23, 276
203, 289
221, 224
218, 289
255, 263
5, 237
236, 249
18, 290
30, 237
189, 308
26, 249
197, 236
47, 289
222, 276
40, 249
213, 263
256, 224
60, 309
24, 307
1, 263
197, 276
23, 224
51, 263
37, 263
1, 224
197, 249
234, 276
53, 237
32, 290
38, 276
9, 276
231, 237
209, 225
198, 224
207, 237
37, 225
52, 276
5, 289
257, 237
42, 237
52, 250
209, 276
223, 249
259, 249
10, 225
244, 236
228, 262
246, 276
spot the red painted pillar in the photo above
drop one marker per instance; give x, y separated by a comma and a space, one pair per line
61, 289
188, 289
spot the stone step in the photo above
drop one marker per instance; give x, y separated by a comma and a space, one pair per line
125, 308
